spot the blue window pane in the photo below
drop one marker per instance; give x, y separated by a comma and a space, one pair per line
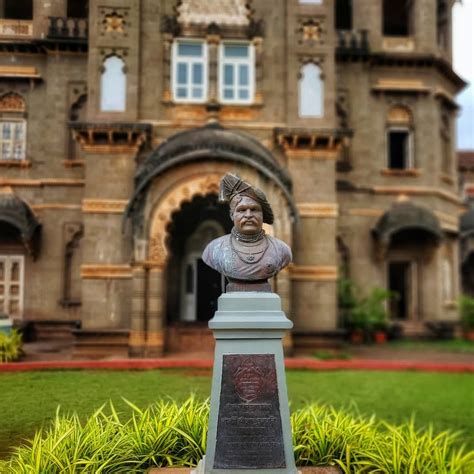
243, 75
197, 74
190, 49
182, 73
7, 131
236, 51
181, 92
243, 94
228, 75
228, 93
197, 92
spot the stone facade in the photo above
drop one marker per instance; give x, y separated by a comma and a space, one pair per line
119, 190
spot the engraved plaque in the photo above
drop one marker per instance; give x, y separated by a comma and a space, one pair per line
249, 431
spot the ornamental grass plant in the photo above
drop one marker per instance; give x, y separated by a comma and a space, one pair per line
172, 434
10, 346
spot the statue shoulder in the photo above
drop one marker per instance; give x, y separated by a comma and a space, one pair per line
283, 249
211, 252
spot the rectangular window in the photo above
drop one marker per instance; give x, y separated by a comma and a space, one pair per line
11, 285
189, 78
12, 140
236, 73
397, 17
399, 149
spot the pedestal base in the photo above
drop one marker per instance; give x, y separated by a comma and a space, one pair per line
249, 423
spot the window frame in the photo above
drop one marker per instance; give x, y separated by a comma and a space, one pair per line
410, 159
12, 120
235, 62
6, 281
204, 60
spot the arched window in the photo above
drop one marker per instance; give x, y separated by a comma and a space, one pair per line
311, 91
400, 139
113, 85
12, 127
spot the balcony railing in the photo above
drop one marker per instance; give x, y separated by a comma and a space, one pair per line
16, 28
63, 28
353, 42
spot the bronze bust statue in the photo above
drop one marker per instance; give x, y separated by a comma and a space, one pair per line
247, 256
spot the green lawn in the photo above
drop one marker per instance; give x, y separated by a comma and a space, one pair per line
30, 399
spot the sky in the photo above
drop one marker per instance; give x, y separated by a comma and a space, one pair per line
463, 62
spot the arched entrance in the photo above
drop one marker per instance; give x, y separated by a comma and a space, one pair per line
408, 240
174, 214
192, 286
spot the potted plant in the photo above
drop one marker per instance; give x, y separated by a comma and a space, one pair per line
467, 316
353, 319
368, 318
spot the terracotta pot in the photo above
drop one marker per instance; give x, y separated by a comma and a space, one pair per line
469, 335
380, 337
357, 336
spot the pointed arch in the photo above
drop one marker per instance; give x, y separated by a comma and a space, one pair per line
311, 91
113, 85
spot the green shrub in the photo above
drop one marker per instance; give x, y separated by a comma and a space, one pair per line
467, 312
168, 434
368, 312
10, 346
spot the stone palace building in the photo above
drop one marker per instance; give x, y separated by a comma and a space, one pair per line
118, 118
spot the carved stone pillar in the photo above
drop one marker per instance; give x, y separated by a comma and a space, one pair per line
155, 312
213, 52
312, 156
137, 323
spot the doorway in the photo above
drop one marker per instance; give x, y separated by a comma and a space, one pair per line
401, 282
193, 287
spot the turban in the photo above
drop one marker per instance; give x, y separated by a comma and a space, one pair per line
232, 186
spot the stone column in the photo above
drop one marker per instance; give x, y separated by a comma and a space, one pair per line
314, 272
137, 324
213, 52
155, 312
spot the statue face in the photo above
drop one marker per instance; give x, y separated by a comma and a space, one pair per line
247, 216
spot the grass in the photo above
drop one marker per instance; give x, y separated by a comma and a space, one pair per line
29, 399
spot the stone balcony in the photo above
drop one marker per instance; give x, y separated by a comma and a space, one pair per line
352, 43
67, 29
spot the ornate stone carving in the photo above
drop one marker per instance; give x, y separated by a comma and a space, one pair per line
310, 30
104, 206
113, 21
221, 12
105, 271
12, 102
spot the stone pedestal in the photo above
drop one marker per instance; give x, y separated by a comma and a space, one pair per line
249, 423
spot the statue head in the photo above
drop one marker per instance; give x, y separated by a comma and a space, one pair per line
245, 198
247, 214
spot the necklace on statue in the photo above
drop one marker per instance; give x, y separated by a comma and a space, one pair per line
249, 239
249, 257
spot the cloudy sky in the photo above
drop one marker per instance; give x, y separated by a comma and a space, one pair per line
463, 51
